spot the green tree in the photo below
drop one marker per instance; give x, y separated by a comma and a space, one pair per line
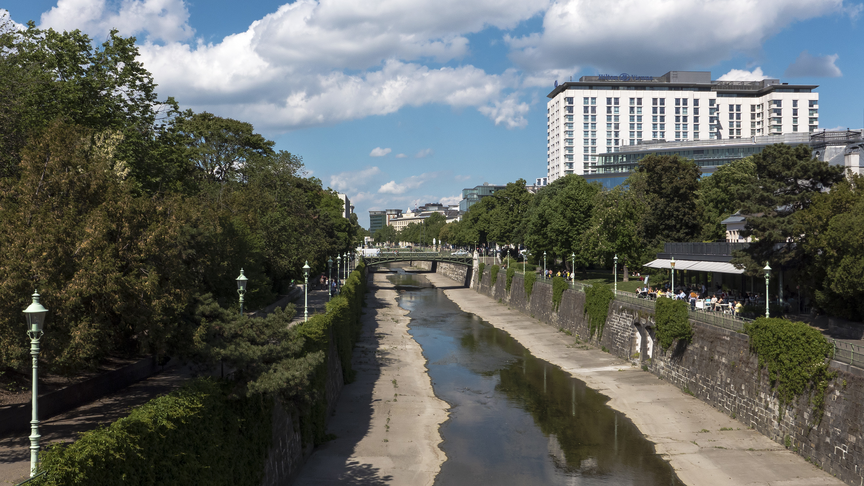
386, 234
720, 196
668, 186
614, 229
559, 218
787, 180
835, 224
221, 147
505, 217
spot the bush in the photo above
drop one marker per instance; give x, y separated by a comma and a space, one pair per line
510, 272
672, 321
795, 355
480, 272
559, 285
195, 435
530, 278
493, 275
597, 299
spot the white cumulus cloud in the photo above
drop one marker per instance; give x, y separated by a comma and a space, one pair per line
412, 182
509, 112
351, 180
808, 65
379, 152
401, 156
162, 20
423, 153
744, 75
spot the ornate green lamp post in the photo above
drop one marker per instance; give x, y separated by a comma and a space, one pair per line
767, 270
306, 291
338, 269
544, 264
573, 268
616, 272
329, 278
346, 265
672, 264
35, 320
524, 260
241, 288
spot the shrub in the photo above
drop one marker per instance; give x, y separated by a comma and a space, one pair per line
195, 435
597, 298
493, 275
510, 272
530, 278
673, 322
480, 272
795, 355
559, 285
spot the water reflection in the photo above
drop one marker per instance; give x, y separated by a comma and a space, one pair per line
516, 419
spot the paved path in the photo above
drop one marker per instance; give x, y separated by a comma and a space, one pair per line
386, 422
15, 448
685, 430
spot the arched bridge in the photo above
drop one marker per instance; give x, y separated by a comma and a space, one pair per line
428, 256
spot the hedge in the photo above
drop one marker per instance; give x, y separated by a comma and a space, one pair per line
195, 435
672, 321
510, 272
597, 298
204, 433
530, 278
559, 285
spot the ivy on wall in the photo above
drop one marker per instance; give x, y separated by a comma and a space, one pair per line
672, 321
480, 274
530, 278
597, 299
493, 274
796, 356
559, 285
510, 272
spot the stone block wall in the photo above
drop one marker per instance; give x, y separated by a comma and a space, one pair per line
719, 369
287, 453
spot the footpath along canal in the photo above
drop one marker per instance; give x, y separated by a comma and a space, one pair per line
516, 419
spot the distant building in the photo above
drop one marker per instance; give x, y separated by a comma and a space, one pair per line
603, 114
380, 219
347, 208
540, 181
836, 148
420, 214
735, 224
471, 196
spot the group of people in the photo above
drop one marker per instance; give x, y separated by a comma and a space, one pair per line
719, 301
332, 283
564, 274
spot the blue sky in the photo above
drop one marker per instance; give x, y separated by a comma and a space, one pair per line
403, 102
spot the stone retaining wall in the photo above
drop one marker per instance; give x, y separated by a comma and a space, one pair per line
718, 368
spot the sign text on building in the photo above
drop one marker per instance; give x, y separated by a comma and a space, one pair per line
624, 77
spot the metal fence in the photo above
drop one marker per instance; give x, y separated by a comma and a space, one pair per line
848, 353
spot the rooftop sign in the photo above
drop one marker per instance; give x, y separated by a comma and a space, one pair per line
624, 77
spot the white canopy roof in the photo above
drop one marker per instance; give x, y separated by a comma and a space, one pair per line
699, 266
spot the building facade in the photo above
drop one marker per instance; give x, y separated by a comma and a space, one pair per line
380, 219
472, 195
347, 207
601, 114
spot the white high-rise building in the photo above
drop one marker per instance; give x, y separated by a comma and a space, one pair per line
599, 114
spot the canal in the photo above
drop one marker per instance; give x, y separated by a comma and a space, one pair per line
516, 419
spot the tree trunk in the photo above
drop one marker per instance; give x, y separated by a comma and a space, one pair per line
626, 277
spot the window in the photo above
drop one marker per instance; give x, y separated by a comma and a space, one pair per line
677, 110
794, 103
711, 102
638, 101
615, 101
696, 103
684, 102
678, 119
731, 107
654, 110
632, 101
777, 103
813, 103
794, 111
608, 101
569, 101
585, 109
677, 101
585, 101
608, 109
654, 101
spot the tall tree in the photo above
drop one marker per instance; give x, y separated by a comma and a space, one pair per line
668, 185
505, 218
614, 230
720, 196
786, 181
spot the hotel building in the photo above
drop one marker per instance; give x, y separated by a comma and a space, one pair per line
601, 114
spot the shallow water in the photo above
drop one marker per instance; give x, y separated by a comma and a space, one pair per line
516, 419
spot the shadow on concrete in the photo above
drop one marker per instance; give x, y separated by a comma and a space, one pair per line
363, 474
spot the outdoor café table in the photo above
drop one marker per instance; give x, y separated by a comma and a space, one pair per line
700, 304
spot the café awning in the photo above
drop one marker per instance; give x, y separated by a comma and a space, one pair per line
698, 266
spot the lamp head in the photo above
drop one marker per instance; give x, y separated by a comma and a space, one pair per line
241, 282
672, 263
330, 262
767, 269
306, 268
338, 258
35, 314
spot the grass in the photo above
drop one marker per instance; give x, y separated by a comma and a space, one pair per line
607, 277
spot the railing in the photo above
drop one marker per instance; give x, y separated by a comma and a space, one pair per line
848, 353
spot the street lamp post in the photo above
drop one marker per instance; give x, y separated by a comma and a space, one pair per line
338, 269
524, 260
544, 264
573, 268
767, 270
35, 320
306, 291
672, 264
329, 278
616, 273
346, 265
241, 288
